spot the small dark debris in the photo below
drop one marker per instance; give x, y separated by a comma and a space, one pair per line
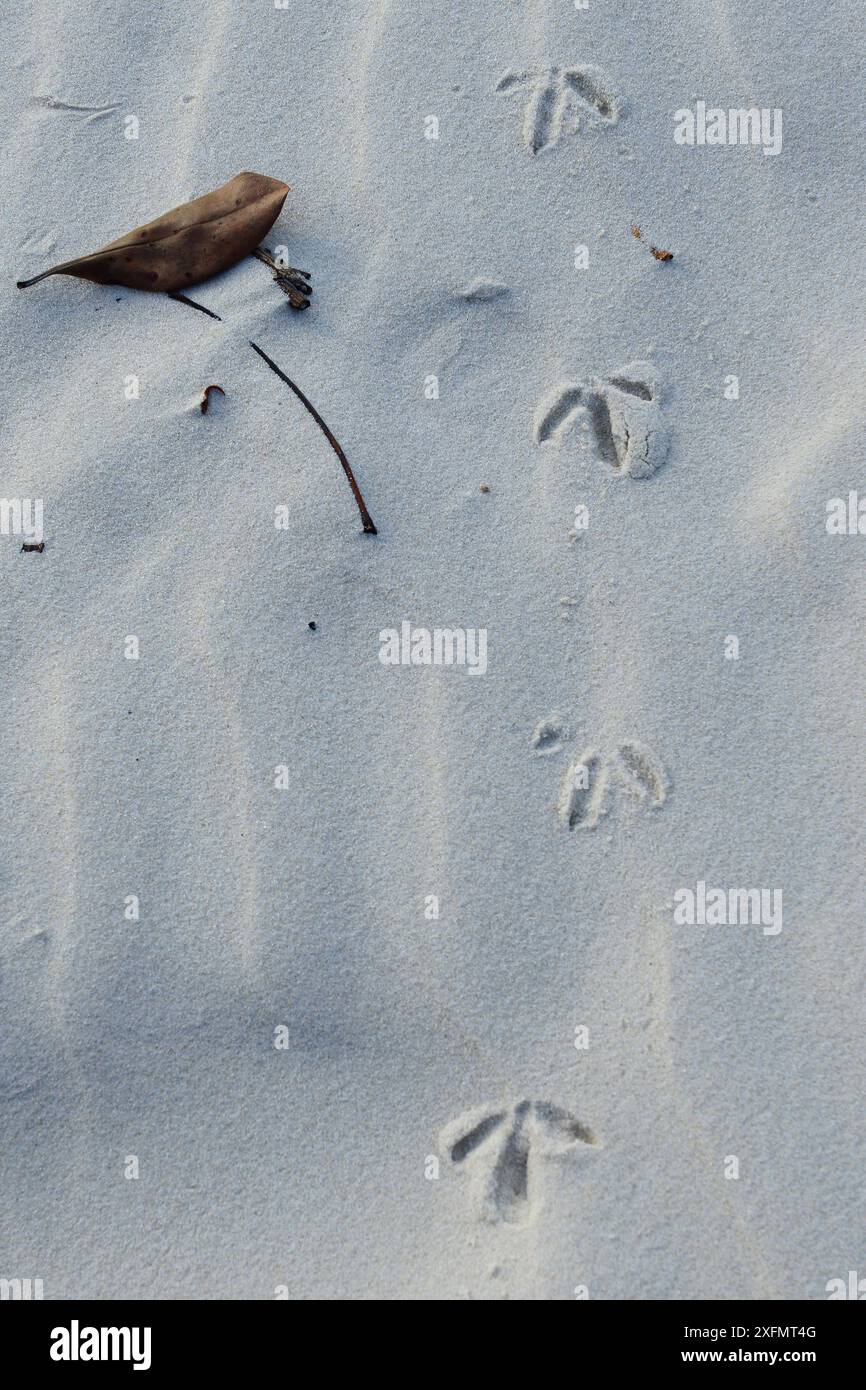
311, 626
654, 250
32, 545
205, 399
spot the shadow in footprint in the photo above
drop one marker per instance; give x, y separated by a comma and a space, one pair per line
556, 412
582, 793
642, 774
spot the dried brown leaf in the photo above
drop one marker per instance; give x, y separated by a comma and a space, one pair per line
188, 244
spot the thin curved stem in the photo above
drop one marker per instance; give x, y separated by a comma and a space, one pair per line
366, 518
185, 299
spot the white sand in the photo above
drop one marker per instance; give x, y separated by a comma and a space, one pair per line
304, 1166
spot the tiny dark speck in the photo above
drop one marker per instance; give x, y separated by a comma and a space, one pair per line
311, 626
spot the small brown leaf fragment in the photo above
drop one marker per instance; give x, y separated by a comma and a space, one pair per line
189, 243
205, 397
654, 250
32, 545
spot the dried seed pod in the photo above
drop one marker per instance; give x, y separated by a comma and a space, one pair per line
188, 244
292, 282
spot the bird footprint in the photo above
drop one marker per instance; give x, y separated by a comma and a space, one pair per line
559, 100
503, 1148
586, 786
624, 411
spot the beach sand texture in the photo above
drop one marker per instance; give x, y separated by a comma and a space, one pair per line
330, 1084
